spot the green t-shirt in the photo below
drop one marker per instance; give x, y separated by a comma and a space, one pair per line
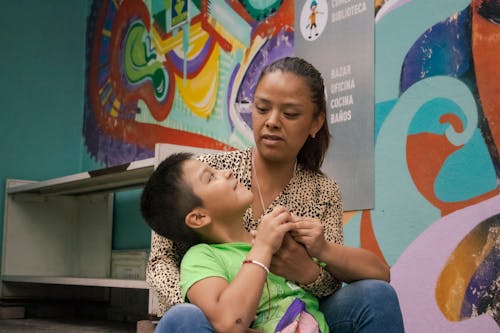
225, 260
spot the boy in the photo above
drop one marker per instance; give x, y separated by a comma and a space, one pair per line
224, 275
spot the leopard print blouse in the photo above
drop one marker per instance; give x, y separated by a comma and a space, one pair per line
307, 194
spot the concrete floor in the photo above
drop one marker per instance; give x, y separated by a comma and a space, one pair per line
119, 311
64, 325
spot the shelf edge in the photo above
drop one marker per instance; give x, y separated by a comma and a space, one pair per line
77, 281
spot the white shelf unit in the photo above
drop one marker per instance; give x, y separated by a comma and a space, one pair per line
59, 231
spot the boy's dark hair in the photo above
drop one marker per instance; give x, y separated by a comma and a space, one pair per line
167, 199
312, 153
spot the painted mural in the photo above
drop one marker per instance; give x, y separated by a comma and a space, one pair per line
183, 72
176, 72
437, 214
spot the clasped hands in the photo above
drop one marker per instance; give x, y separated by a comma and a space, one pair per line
293, 259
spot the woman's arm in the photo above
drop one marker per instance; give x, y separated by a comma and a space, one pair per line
346, 263
163, 272
352, 264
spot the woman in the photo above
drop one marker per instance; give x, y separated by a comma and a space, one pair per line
291, 138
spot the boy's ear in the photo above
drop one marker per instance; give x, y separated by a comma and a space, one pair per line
197, 218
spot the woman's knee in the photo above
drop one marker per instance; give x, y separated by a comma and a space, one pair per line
358, 306
389, 315
363, 294
377, 290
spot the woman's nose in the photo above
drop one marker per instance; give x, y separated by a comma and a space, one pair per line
273, 119
227, 173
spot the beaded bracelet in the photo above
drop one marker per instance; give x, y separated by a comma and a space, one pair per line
258, 263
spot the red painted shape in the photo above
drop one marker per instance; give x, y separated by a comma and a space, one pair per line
486, 51
453, 120
281, 20
207, 26
241, 11
128, 95
367, 237
426, 154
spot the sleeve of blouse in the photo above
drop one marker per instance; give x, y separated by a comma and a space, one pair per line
162, 272
331, 218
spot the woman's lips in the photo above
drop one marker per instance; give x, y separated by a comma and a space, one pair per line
271, 139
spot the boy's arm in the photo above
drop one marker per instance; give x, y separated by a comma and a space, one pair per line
231, 306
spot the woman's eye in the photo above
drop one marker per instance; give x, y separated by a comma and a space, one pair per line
290, 115
261, 109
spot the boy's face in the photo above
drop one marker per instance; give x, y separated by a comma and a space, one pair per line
219, 191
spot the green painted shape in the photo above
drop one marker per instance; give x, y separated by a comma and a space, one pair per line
140, 62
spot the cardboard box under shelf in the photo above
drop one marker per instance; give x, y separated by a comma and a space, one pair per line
129, 264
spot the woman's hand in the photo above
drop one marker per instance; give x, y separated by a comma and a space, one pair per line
310, 233
293, 262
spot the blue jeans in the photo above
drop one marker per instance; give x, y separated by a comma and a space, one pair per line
362, 306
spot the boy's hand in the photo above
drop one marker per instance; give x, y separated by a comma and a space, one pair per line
272, 228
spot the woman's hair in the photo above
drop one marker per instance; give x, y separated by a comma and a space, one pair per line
312, 153
167, 199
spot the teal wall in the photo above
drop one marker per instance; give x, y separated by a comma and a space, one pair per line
41, 89
42, 65
41, 84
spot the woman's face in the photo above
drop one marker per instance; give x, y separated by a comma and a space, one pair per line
283, 116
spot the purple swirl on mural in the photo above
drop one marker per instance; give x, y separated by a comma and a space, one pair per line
277, 47
230, 87
444, 49
483, 294
194, 64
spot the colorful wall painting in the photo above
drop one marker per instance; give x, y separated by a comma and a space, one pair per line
437, 175
153, 79
436, 131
